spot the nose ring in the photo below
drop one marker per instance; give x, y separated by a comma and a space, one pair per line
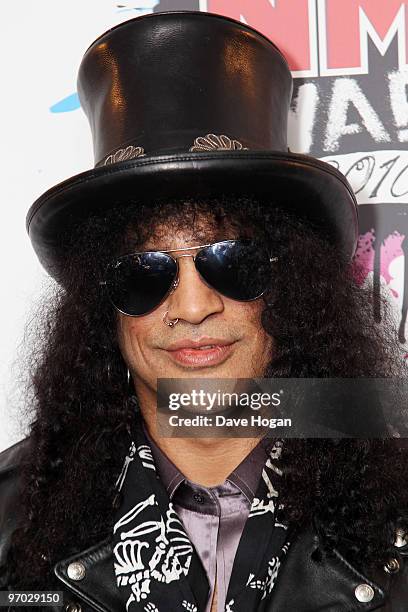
170, 323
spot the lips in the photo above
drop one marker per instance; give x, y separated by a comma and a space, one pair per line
204, 341
205, 352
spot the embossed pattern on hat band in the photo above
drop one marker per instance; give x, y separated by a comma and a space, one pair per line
209, 142
122, 154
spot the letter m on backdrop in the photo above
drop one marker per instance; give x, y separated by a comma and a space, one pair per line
346, 25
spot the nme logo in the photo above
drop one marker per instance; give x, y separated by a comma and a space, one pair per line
323, 37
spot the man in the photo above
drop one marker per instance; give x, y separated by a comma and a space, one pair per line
197, 247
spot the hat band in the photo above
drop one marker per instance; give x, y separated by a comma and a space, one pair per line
209, 142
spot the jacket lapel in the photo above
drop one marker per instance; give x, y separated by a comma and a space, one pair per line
328, 582
98, 585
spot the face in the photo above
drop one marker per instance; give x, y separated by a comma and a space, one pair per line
149, 346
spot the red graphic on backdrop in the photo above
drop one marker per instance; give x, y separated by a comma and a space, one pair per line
293, 26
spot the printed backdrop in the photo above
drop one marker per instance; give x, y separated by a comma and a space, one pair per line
350, 108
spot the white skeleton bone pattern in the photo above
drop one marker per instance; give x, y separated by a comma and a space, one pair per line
261, 506
145, 453
130, 457
150, 607
136, 561
228, 607
268, 583
189, 606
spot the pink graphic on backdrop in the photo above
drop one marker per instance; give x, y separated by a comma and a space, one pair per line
391, 256
275, 20
390, 249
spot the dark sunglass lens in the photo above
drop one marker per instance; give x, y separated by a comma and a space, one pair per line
239, 270
138, 283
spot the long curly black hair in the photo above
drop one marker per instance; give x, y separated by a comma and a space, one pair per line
79, 402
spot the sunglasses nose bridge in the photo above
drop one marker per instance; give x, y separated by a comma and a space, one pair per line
186, 255
176, 281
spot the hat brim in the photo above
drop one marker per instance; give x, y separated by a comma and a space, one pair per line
309, 187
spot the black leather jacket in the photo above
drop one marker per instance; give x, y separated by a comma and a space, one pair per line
304, 584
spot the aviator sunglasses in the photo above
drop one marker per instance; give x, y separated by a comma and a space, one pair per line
137, 283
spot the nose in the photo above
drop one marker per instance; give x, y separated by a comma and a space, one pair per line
192, 300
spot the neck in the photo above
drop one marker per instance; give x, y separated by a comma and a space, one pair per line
205, 461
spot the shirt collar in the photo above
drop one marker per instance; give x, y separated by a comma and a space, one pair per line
245, 476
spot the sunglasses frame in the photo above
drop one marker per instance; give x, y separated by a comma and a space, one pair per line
176, 280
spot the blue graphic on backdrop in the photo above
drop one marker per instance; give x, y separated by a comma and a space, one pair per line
70, 103
148, 6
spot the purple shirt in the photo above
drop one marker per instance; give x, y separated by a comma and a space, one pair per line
213, 517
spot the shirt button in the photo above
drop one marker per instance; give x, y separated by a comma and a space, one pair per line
76, 570
198, 498
364, 593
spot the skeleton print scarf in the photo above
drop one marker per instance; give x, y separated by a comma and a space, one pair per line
156, 566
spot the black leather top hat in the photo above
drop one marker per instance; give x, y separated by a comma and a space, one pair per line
189, 103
